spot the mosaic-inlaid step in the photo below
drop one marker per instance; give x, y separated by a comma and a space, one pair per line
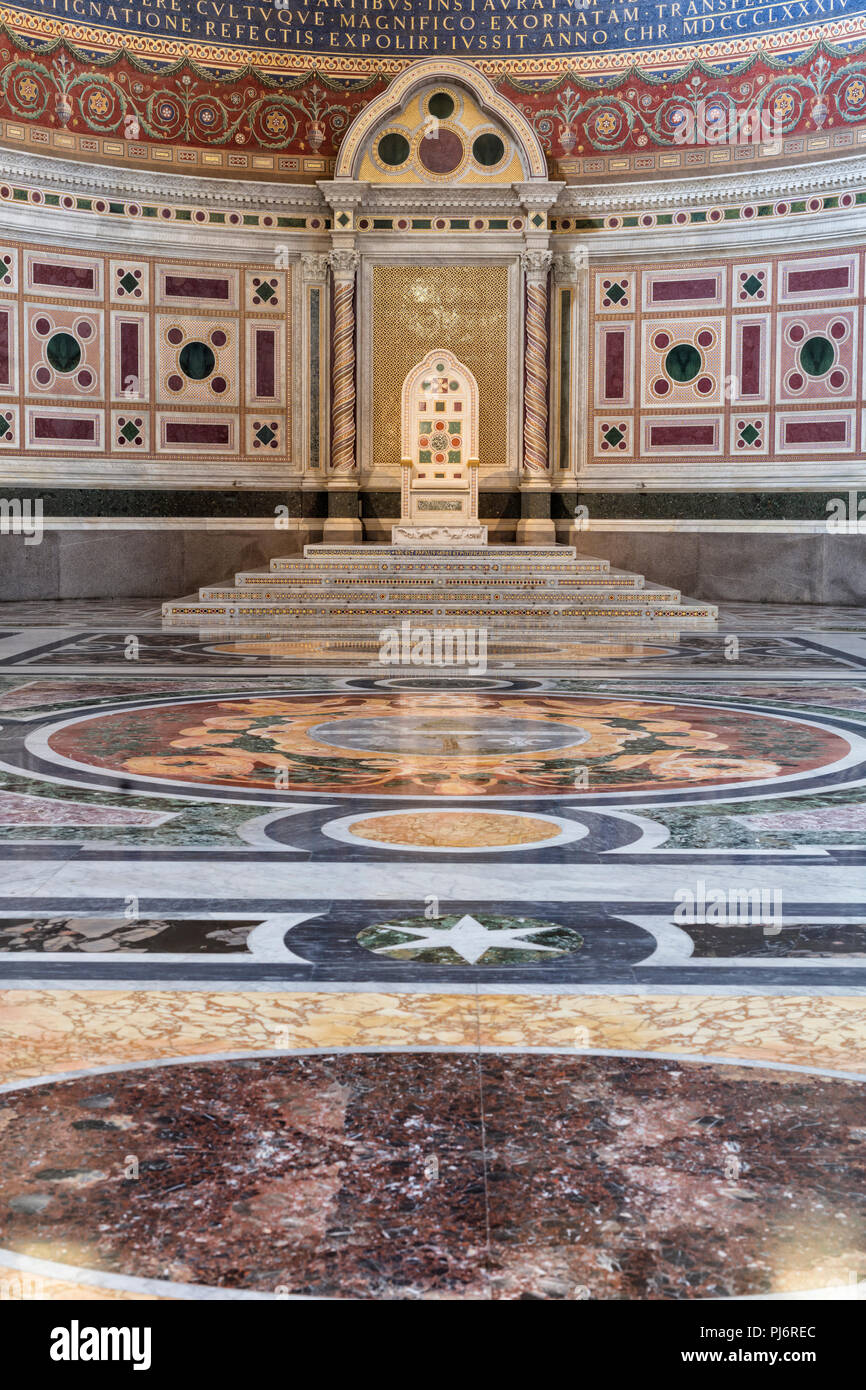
424, 595
525, 553
194, 610
434, 579
427, 564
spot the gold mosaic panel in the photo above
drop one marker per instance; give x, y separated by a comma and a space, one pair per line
463, 308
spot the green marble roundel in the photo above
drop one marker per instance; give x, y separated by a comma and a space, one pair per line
63, 352
816, 356
196, 361
683, 362
393, 148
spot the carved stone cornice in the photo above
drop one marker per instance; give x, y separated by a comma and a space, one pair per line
537, 197
343, 193
105, 181
461, 198
742, 186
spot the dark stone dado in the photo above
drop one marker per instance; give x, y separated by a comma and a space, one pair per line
535, 504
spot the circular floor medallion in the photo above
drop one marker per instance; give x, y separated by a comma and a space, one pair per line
454, 830
447, 744
556, 1176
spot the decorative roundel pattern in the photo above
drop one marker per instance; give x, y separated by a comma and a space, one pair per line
440, 146
683, 363
442, 151
63, 365
488, 149
817, 356
441, 105
197, 360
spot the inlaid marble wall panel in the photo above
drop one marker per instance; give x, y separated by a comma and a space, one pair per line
728, 360
143, 357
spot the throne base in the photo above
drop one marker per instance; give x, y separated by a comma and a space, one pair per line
446, 536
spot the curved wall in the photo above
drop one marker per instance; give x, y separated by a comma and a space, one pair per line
165, 352
244, 92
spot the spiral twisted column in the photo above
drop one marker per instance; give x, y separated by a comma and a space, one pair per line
343, 524
535, 448
535, 526
343, 266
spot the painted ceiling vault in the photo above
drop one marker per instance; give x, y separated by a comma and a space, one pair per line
219, 86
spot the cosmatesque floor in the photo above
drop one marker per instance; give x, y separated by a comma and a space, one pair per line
321, 978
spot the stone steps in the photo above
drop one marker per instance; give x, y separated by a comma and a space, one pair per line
540, 589
273, 582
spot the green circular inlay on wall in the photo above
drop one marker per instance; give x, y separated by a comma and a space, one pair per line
63, 352
441, 104
683, 362
488, 149
817, 355
393, 148
196, 361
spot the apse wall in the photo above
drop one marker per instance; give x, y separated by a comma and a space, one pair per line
164, 357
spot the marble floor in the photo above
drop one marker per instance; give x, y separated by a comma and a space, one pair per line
327, 979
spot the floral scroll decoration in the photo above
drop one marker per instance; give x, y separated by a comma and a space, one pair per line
186, 103
193, 107
641, 110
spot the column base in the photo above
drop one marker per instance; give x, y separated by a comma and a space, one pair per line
535, 531
342, 530
343, 526
535, 526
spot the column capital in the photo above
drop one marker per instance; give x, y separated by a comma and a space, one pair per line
536, 264
343, 262
568, 267
314, 265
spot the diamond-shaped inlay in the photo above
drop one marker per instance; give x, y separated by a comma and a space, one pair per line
128, 282
343, 219
752, 285
6, 425
613, 436
616, 293
750, 434
265, 435
129, 430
